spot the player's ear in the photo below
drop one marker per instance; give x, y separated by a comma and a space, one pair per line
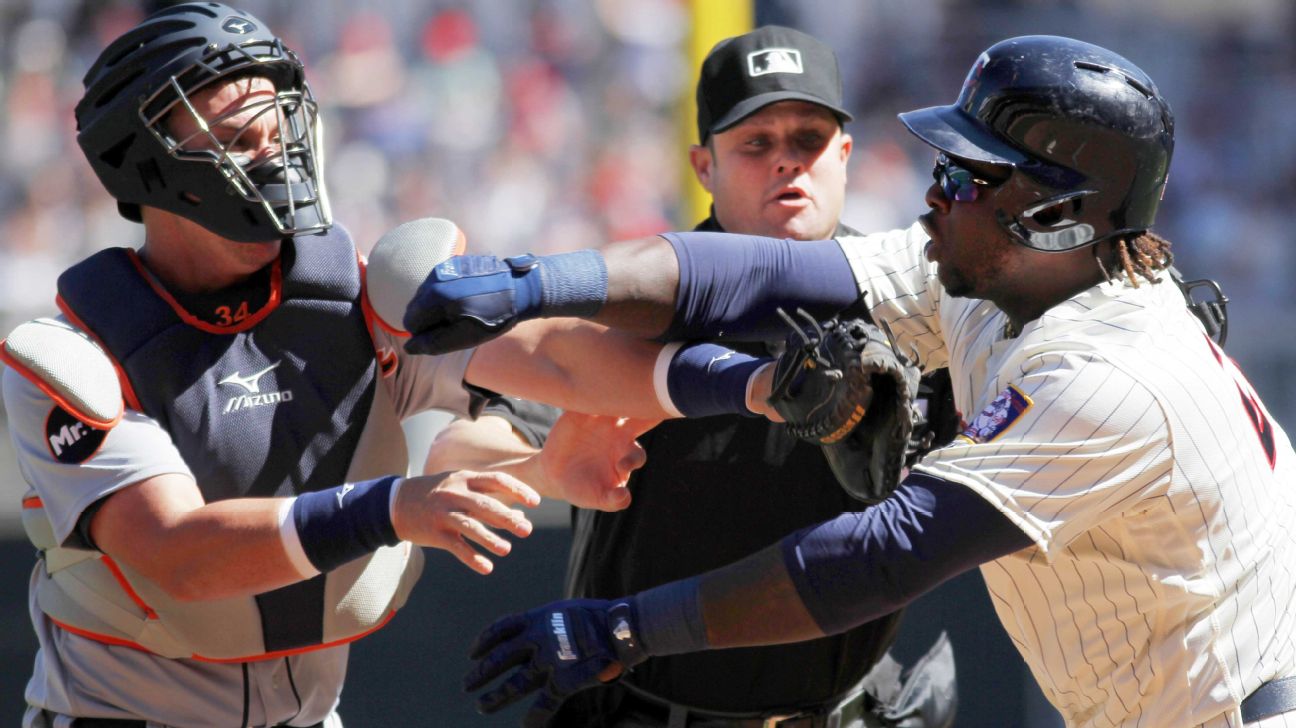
847, 144
702, 161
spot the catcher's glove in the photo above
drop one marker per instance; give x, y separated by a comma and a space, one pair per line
843, 385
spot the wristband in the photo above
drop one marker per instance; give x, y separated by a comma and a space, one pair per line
567, 284
342, 524
670, 618
707, 379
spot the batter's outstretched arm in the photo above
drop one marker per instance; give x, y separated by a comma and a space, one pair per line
674, 287
820, 580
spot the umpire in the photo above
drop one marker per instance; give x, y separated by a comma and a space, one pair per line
773, 155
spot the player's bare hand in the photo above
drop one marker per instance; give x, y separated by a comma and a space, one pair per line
587, 459
454, 510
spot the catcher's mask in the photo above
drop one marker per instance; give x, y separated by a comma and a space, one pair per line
1086, 134
151, 72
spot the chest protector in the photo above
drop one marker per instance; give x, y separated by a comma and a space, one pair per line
286, 401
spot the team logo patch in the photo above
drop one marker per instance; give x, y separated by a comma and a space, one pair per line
237, 25
998, 417
70, 440
774, 60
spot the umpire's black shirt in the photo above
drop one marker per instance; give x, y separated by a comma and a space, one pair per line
713, 491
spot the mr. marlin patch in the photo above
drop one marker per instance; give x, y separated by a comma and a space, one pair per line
70, 440
995, 419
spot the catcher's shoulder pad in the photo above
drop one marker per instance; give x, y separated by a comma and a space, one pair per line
69, 367
401, 260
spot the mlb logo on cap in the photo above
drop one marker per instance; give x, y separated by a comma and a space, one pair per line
774, 60
743, 74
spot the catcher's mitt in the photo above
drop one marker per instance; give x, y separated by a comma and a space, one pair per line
844, 386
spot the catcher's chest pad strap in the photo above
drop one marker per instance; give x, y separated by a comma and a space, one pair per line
284, 403
69, 367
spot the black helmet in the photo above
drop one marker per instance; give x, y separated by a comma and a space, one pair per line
150, 72
1087, 135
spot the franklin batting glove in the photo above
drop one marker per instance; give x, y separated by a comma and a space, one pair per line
558, 649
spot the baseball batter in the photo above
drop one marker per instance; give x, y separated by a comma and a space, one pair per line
1123, 489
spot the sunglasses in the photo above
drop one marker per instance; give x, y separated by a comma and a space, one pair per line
957, 183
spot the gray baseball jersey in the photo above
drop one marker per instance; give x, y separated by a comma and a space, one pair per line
75, 676
1161, 589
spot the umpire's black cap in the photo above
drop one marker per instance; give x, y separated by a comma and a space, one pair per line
748, 72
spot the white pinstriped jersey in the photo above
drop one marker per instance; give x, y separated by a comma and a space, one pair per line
1161, 588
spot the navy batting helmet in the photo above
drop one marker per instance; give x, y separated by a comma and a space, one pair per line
150, 72
1087, 134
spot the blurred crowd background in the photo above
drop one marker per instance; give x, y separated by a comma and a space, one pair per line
548, 125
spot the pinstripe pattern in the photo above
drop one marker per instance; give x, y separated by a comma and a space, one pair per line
1161, 585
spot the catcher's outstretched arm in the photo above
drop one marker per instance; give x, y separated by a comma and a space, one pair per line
581, 366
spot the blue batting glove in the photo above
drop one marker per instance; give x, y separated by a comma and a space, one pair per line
470, 299
558, 649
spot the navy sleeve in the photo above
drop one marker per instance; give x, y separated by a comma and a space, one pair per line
730, 285
860, 566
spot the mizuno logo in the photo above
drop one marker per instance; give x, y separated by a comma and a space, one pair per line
714, 359
252, 385
342, 493
251, 382
559, 627
238, 26
246, 401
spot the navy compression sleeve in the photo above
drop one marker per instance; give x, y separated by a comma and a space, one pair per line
860, 566
730, 285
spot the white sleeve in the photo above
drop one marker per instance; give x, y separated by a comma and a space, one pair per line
421, 383
71, 465
1069, 441
892, 268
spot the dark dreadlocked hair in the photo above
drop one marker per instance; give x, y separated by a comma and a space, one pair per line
1143, 255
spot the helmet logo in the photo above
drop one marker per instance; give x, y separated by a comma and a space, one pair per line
237, 25
975, 74
774, 60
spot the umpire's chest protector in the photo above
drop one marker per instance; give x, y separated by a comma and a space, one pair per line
285, 401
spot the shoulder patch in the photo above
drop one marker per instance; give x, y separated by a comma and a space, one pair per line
70, 440
69, 367
996, 418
